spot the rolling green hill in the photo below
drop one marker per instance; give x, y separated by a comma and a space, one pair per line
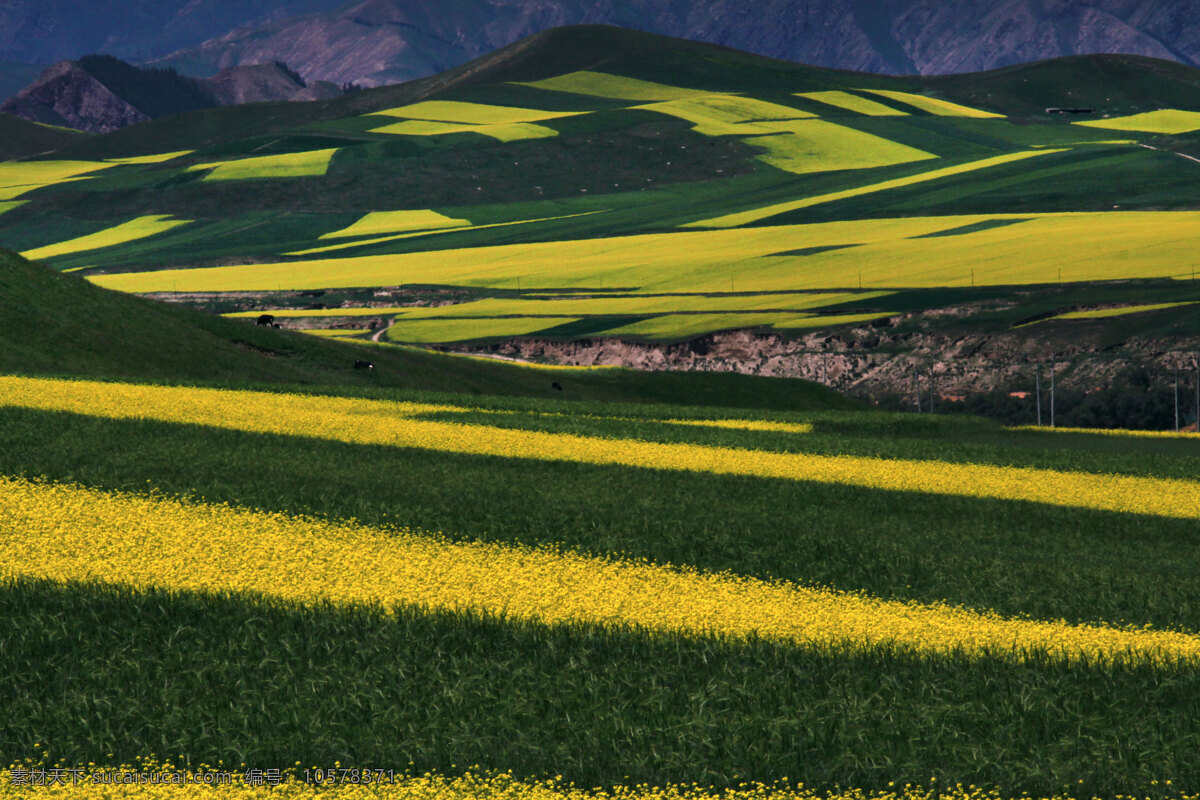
20, 138
596, 169
61, 325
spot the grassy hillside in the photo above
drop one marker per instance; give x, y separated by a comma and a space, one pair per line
60, 324
626, 186
20, 138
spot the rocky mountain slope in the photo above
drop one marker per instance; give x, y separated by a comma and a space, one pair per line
102, 94
383, 41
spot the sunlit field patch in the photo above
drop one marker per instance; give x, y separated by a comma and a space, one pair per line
614, 87
684, 326
766, 212
67, 533
156, 158
815, 145
19, 177
286, 165
878, 254
1104, 313
464, 330
331, 248
852, 102
635, 304
131, 231
1167, 120
472, 113
933, 105
508, 132
299, 313
390, 423
722, 115
334, 334
380, 222
381, 784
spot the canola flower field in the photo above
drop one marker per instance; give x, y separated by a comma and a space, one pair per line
832, 599
813, 185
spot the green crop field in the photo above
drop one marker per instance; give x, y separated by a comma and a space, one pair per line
341, 546
846, 599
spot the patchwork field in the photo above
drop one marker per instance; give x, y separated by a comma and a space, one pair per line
474, 565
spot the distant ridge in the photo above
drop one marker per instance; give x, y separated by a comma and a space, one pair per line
101, 93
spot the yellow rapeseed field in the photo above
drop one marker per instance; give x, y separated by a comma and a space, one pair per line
934, 105
506, 132
754, 215
379, 222
615, 87
19, 177
133, 782
71, 533
392, 423
140, 228
472, 113
1166, 120
852, 102
285, 165
873, 254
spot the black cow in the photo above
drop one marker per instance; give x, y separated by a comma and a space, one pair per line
360, 364
556, 387
266, 319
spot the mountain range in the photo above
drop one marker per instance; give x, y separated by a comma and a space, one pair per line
374, 42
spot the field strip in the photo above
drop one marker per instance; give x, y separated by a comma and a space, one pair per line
1165, 120
157, 158
19, 177
452, 229
614, 87
852, 102
933, 105
76, 534
756, 214
472, 113
382, 222
140, 228
138, 782
285, 165
1103, 313
390, 424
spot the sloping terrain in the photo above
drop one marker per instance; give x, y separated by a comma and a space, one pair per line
21, 138
593, 184
101, 93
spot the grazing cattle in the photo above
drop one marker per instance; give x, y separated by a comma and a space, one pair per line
556, 387
266, 319
360, 364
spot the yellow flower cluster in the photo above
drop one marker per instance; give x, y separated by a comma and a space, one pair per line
1109, 432
248, 784
69, 533
390, 423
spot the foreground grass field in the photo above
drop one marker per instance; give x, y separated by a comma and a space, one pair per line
615, 594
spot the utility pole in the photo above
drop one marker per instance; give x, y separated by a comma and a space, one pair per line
931, 388
1177, 399
917, 386
1038, 384
1051, 391
1198, 392
825, 368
